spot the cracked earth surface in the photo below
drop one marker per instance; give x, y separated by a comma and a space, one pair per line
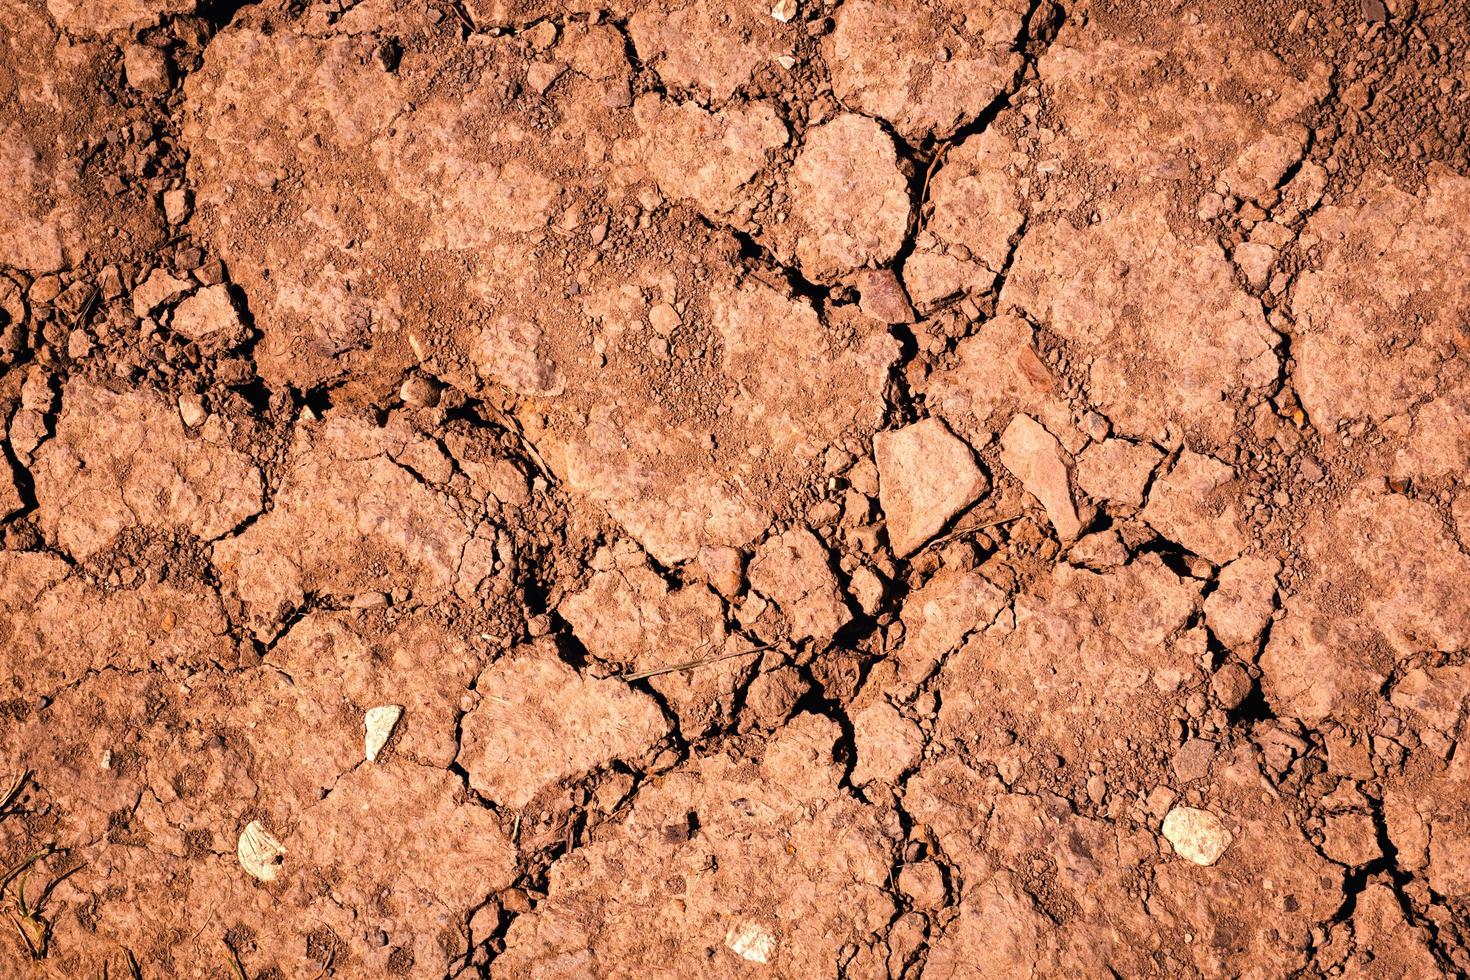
878, 488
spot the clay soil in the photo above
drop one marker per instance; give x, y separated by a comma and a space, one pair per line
706, 488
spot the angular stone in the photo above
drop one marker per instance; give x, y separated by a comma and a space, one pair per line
1117, 470
1196, 835
880, 296
849, 202
1034, 457
1241, 605
157, 289
209, 314
925, 477
792, 570
887, 744
1195, 505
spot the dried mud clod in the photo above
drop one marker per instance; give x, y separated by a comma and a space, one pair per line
875, 489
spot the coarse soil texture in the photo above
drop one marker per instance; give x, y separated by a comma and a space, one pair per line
734, 489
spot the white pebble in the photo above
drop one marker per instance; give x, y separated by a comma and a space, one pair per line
379, 724
1197, 835
260, 854
751, 941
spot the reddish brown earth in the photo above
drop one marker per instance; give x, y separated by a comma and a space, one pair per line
977, 488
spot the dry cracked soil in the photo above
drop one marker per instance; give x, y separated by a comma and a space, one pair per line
713, 488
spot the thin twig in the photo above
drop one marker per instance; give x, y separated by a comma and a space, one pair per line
934, 162
974, 527
692, 664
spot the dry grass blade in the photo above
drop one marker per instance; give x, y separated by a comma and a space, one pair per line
693, 664
22, 864
34, 931
236, 967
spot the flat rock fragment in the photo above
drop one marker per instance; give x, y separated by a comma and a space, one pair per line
1044, 468
881, 296
925, 477
1117, 470
888, 744
141, 468
538, 722
882, 61
792, 569
849, 202
259, 853
1195, 504
378, 726
1241, 605
1196, 835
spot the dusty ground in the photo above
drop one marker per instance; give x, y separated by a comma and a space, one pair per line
705, 489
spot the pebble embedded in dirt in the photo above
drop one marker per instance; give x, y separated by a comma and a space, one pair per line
260, 854
1196, 835
378, 725
925, 477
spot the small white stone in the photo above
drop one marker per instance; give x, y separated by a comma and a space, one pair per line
191, 410
1197, 835
260, 854
783, 11
751, 941
106, 761
379, 723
